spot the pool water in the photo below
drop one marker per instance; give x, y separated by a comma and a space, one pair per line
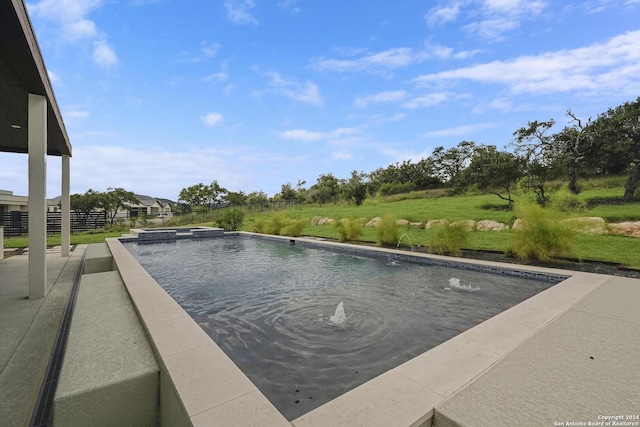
272, 308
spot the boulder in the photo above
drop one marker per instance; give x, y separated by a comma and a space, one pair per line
402, 221
416, 224
326, 221
373, 222
468, 224
628, 228
589, 225
434, 222
487, 224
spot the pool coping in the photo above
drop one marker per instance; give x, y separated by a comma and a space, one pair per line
210, 386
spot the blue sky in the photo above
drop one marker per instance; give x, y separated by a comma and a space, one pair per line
158, 95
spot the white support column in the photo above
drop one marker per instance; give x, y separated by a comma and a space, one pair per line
37, 196
65, 226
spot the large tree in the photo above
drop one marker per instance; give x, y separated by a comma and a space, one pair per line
573, 139
326, 189
448, 164
85, 203
494, 171
536, 146
616, 139
355, 188
116, 199
217, 194
197, 196
236, 198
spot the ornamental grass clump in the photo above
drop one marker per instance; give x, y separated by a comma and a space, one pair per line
293, 227
387, 231
280, 225
449, 239
539, 235
348, 229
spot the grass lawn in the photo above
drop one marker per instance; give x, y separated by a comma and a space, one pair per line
76, 239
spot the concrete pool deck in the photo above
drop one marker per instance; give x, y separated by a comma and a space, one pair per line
28, 329
569, 354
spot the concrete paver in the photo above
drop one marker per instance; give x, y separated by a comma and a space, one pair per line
28, 330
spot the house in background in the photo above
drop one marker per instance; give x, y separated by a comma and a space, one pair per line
151, 207
12, 203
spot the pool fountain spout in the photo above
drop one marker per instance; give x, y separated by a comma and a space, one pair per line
339, 317
400, 240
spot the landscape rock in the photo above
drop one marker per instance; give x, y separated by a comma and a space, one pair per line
415, 224
326, 221
589, 225
517, 224
402, 221
373, 222
468, 224
628, 228
434, 222
488, 224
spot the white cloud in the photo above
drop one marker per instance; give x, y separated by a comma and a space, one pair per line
492, 19
443, 15
209, 50
99, 167
103, 54
307, 92
341, 155
402, 155
310, 136
239, 11
428, 100
302, 135
600, 68
382, 97
460, 130
343, 132
216, 77
206, 51
53, 77
212, 119
70, 16
76, 114
290, 5
386, 60
71, 24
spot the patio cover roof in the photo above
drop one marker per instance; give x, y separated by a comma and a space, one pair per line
22, 71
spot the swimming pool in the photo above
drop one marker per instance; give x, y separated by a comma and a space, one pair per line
269, 305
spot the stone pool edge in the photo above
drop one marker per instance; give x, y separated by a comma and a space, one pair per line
200, 384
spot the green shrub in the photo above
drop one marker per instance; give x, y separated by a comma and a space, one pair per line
449, 239
349, 229
231, 219
389, 188
388, 231
564, 201
539, 235
144, 221
172, 222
